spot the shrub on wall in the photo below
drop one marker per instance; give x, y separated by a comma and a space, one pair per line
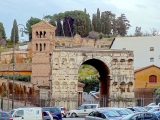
24, 78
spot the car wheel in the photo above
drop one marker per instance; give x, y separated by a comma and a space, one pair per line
73, 115
55, 119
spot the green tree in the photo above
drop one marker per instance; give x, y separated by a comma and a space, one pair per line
14, 32
94, 22
107, 22
98, 21
90, 85
29, 23
123, 24
2, 31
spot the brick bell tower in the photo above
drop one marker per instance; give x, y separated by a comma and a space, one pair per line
43, 42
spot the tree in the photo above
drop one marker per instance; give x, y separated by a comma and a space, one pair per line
153, 31
123, 25
94, 22
14, 32
90, 84
138, 32
29, 23
93, 35
98, 21
106, 20
2, 31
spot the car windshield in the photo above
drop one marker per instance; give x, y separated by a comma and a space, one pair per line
129, 111
128, 117
122, 112
111, 114
153, 110
12, 112
138, 109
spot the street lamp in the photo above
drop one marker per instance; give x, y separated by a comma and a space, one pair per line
50, 78
13, 60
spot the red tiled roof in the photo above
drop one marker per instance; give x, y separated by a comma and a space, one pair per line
146, 68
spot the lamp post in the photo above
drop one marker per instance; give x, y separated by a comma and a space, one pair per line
50, 78
13, 56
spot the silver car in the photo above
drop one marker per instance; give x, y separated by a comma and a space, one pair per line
103, 114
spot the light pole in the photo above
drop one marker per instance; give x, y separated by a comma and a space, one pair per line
13, 60
50, 78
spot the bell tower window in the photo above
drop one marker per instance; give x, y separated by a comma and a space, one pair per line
44, 46
44, 34
41, 34
36, 47
40, 47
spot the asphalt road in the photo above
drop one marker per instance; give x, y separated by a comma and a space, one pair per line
77, 118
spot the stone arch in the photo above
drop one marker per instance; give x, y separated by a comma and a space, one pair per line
103, 67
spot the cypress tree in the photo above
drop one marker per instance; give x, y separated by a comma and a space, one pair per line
98, 22
94, 17
14, 32
2, 31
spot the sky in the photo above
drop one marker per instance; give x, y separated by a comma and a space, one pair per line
141, 13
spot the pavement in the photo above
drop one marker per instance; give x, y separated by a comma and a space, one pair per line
77, 118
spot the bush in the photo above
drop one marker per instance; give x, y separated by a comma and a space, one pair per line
24, 78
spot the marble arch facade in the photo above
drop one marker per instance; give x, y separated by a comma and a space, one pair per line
116, 78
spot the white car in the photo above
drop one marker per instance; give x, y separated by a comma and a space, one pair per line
82, 110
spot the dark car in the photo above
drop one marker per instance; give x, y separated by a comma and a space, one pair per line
140, 116
47, 115
55, 111
5, 116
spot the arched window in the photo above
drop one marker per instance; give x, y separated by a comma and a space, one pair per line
44, 46
41, 34
36, 47
40, 47
152, 79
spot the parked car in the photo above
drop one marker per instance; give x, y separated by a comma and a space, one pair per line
140, 116
28, 113
135, 109
157, 113
154, 109
63, 111
55, 112
5, 116
82, 110
47, 115
121, 111
103, 114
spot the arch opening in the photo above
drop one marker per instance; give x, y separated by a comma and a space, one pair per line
103, 77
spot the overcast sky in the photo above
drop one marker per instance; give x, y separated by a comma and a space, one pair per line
141, 13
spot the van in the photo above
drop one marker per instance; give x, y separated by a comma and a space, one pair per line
82, 110
28, 113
